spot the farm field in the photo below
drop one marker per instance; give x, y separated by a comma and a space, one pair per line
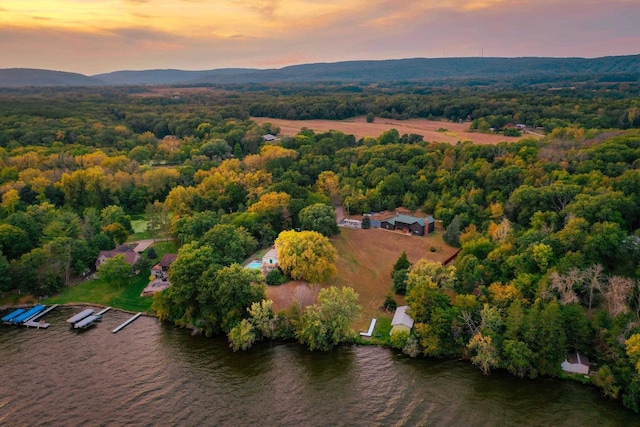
365, 260
359, 127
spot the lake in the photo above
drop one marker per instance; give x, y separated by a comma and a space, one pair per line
151, 374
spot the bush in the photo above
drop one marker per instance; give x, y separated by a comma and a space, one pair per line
275, 277
432, 249
151, 253
390, 303
366, 222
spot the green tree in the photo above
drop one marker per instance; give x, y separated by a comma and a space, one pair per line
452, 233
227, 294
115, 270
14, 241
328, 323
319, 217
306, 255
366, 222
231, 244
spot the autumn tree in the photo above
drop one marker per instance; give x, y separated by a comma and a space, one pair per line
328, 322
306, 255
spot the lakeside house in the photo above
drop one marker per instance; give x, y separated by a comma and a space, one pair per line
410, 224
161, 269
130, 256
401, 320
270, 260
159, 276
576, 363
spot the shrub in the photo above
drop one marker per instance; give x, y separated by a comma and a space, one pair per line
366, 222
151, 253
390, 303
275, 277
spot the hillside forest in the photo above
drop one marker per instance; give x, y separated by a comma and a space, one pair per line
549, 229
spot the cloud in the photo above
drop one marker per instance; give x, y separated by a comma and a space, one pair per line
274, 34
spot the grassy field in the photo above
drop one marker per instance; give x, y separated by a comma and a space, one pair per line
365, 260
127, 297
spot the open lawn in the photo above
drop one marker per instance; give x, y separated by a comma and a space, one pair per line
365, 261
97, 291
126, 297
431, 130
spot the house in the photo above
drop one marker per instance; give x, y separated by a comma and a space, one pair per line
270, 260
410, 224
575, 363
129, 254
401, 320
269, 138
161, 269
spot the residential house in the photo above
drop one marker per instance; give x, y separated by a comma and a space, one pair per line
410, 224
270, 260
401, 320
161, 269
576, 363
129, 254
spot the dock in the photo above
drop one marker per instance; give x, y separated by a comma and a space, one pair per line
371, 328
31, 323
42, 313
78, 317
39, 325
103, 311
127, 322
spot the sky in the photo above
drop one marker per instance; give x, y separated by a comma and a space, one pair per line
97, 36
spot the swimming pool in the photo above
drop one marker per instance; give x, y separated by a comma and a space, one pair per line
256, 263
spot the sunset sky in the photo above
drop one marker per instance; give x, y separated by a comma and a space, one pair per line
94, 36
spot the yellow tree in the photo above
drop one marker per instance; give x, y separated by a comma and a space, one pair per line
10, 200
632, 345
306, 255
328, 183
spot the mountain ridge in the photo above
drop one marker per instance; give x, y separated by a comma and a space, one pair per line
361, 71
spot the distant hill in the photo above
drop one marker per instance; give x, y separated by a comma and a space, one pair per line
611, 68
165, 77
21, 77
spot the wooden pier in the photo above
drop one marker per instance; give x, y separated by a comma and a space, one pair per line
42, 313
103, 311
127, 322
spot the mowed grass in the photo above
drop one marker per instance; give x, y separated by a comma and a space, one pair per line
366, 258
97, 291
126, 296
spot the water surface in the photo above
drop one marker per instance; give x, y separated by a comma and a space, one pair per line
150, 374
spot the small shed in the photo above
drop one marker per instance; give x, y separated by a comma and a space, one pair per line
269, 138
576, 363
401, 320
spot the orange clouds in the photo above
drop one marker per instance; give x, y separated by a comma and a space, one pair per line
94, 36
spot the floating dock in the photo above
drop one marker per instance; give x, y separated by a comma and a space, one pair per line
13, 314
27, 315
87, 321
39, 325
127, 322
31, 323
78, 317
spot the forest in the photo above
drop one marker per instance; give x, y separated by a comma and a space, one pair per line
549, 230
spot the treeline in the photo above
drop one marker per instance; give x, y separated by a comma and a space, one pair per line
116, 117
